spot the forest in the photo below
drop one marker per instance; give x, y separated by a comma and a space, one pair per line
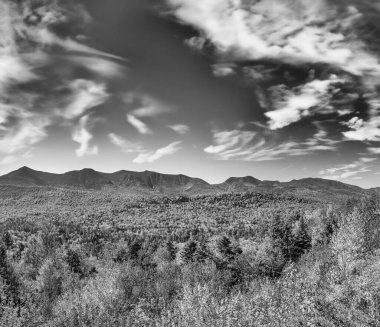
95, 258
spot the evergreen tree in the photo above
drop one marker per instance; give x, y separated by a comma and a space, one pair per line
74, 261
7, 239
224, 249
172, 251
188, 251
301, 241
134, 250
201, 253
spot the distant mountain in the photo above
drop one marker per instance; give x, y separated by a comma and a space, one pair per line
149, 182
240, 184
122, 180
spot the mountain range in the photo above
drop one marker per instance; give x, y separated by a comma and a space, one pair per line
149, 182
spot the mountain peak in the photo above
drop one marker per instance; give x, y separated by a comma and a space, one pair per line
245, 179
25, 168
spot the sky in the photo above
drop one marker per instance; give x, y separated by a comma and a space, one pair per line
275, 89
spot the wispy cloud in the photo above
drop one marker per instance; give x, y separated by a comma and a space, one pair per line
290, 105
144, 155
141, 127
374, 150
60, 97
150, 157
145, 106
180, 128
85, 94
294, 31
148, 106
101, 66
83, 136
248, 146
20, 129
348, 171
222, 70
125, 145
231, 144
323, 36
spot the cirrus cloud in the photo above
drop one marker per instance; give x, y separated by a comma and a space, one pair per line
34, 92
348, 171
83, 136
144, 155
249, 146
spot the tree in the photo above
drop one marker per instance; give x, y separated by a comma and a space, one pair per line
188, 251
301, 241
8, 277
121, 255
74, 261
170, 248
134, 250
7, 239
50, 283
201, 253
225, 250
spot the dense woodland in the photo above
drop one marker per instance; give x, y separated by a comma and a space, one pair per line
95, 258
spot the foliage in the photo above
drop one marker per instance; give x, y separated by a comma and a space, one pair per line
79, 258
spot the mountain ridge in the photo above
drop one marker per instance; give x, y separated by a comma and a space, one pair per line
154, 182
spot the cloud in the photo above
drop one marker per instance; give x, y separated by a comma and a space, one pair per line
150, 157
294, 31
99, 65
84, 95
294, 104
230, 144
29, 50
20, 129
374, 150
267, 37
147, 106
196, 42
144, 155
363, 130
180, 128
222, 70
125, 145
151, 106
348, 171
248, 146
141, 127
83, 136
44, 36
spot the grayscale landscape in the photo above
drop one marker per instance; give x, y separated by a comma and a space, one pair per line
190, 163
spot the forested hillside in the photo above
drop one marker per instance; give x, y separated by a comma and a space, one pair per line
96, 258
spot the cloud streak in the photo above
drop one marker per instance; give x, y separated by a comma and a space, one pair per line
349, 171
83, 136
249, 146
180, 128
57, 95
149, 157
125, 145
144, 155
140, 126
